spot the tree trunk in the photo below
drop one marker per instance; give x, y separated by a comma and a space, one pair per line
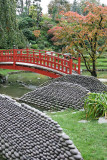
93, 72
22, 6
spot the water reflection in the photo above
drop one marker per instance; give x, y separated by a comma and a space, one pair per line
14, 90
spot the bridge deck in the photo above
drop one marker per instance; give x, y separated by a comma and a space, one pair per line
33, 65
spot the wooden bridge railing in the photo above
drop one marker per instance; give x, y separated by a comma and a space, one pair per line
47, 59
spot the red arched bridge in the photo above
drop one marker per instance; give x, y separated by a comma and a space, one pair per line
48, 63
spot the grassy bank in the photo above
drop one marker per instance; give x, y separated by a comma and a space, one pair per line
101, 63
100, 74
90, 138
5, 71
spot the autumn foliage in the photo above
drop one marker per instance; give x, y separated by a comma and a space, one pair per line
53, 31
81, 34
36, 33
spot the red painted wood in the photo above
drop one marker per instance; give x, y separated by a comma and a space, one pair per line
79, 65
51, 60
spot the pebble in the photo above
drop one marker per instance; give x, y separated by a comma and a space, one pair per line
31, 135
64, 92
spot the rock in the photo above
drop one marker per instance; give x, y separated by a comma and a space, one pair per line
57, 96
68, 142
78, 157
74, 151
28, 134
16, 154
64, 136
83, 121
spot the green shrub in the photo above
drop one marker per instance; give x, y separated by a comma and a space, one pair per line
41, 46
48, 49
95, 105
32, 42
28, 34
34, 46
26, 22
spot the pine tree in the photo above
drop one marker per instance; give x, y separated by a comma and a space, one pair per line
76, 7
9, 33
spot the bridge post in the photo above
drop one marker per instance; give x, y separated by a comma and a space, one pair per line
14, 56
27, 52
79, 63
70, 61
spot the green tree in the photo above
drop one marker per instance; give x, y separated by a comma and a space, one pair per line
35, 11
55, 6
76, 7
9, 33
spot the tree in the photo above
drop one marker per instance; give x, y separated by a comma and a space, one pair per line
28, 4
20, 6
81, 34
76, 7
55, 6
35, 11
9, 33
26, 22
23, 7
83, 4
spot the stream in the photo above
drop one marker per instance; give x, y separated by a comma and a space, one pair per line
15, 91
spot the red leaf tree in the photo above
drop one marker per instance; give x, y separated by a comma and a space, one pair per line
82, 34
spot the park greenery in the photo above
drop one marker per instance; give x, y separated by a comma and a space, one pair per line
76, 28
90, 137
95, 105
9, 31
79, 27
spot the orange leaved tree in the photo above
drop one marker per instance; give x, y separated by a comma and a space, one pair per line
36, 33
85, 35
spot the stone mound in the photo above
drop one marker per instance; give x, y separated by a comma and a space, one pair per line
57, 96
28, 134
90, 83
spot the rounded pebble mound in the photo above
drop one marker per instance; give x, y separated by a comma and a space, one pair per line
89, 82
57, 96
28, 134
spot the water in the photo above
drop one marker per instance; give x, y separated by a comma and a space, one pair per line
15, 91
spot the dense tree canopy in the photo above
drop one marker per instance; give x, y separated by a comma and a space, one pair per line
55, 6
9, 33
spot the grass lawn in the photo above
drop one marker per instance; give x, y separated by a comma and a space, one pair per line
101, 63
90, 138
100, 74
